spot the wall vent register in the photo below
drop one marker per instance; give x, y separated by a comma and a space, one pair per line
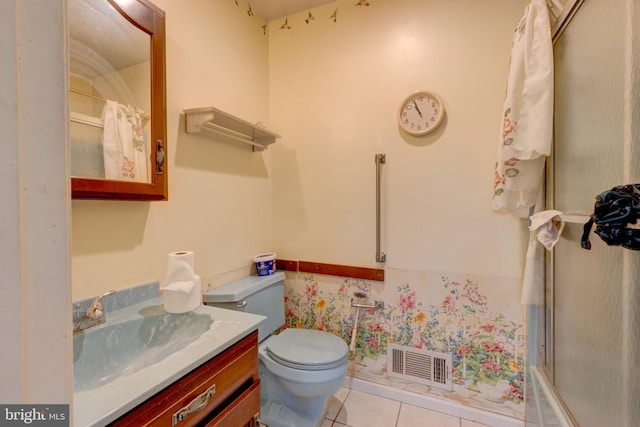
420, 366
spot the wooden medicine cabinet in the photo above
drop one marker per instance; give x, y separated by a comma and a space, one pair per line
117, 104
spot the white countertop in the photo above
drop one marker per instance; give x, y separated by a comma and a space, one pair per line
104, 404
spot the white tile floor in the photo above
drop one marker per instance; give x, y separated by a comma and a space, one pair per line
354, 408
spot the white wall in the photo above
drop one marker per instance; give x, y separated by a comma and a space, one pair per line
219, 191
335, 90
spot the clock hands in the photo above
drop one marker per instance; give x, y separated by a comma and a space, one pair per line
420, 123
417, 109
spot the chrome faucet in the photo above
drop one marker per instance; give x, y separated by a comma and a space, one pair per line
93, 316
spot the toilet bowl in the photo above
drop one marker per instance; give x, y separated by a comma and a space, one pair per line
300, 369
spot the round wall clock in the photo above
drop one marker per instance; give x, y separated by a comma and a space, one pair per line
420, 113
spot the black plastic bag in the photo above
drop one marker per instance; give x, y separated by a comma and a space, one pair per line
613, 211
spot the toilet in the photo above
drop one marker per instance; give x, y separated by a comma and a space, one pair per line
300, 369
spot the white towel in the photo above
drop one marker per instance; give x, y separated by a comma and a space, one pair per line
533, 279
123, 143
549, 226
546, 228
526, 134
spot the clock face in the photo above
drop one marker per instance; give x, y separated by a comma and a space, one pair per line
420, 113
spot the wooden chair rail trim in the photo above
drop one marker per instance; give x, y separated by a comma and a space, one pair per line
364, 273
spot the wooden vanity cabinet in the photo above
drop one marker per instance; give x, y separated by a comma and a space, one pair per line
223, 392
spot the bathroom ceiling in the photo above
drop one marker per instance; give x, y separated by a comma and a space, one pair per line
274, 9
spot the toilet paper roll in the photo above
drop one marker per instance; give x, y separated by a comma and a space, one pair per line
180, 268
182, 297
184, 287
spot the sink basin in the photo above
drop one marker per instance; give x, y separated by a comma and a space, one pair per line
104, 353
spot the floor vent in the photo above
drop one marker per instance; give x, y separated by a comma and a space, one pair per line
421, 366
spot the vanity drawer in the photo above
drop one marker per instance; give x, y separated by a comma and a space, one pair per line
210, 392
245, 407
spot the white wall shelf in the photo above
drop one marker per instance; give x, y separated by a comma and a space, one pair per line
211, 119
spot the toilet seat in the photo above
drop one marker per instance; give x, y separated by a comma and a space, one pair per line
307, 349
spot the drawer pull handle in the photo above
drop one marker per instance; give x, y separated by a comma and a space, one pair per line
197, 404
242, 304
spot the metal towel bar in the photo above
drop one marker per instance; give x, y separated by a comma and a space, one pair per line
380, 160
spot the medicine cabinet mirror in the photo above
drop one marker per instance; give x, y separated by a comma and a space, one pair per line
117, 106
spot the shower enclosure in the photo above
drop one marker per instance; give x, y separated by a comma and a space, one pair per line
584, 344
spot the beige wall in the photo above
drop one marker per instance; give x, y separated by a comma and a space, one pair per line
332, 90
219, 191
335, 89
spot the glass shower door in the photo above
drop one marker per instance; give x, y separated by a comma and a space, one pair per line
592, 338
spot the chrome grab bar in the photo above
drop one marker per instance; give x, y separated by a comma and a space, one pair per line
380, 160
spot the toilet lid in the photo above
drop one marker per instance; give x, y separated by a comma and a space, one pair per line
307, 349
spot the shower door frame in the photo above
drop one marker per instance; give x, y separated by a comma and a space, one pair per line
541, 319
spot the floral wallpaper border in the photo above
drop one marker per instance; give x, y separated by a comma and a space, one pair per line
478, 322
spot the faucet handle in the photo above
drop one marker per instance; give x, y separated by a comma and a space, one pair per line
96, 310
106, 294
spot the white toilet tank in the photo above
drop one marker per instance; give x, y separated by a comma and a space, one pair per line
262, 295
